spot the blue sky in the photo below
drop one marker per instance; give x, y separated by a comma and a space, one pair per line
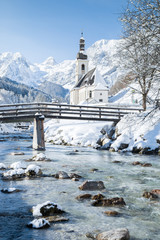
42, 28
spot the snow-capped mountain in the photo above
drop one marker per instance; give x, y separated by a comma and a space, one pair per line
102, 54
62, 73
17, 68
14, 92
47, 65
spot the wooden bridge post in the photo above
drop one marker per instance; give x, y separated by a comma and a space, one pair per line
38, 135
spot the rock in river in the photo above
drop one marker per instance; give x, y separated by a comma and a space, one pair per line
33, 170
14, 174
109, 202
2, 166
99, 196
10, 190
39, 157
47, 209
17, 165
117, 234
39, 223
55, 219
111, 213
150, 195
74, 175
155, 193
92, 185
84, 196
61, 175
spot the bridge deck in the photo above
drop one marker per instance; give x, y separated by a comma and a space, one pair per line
26, 112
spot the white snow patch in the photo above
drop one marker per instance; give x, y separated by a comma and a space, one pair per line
73, 132
139, 130
36, 209
9, 190
33, 167
39, 157
39, 223
2, 166
17, 165
11, 173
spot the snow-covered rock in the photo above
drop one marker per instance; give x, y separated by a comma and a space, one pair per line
14, 174
17, 165
138, 133
40, 157
33, 170
10, 190
2, 166
17, 153
62, 175
46, 209
39, 223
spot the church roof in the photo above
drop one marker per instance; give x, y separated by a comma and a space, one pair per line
87, 79
93, 77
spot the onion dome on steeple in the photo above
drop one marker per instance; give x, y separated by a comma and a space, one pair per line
80, 54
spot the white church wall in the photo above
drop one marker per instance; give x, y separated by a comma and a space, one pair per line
79, 71
82, 94
101, 96
74, 97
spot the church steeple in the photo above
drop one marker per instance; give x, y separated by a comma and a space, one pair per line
82, 60
82, 43
81, 54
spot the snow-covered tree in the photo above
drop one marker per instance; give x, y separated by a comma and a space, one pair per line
141, 49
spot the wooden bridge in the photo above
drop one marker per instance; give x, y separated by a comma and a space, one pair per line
37, 112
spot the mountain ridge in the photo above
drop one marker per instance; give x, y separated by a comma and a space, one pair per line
102, 54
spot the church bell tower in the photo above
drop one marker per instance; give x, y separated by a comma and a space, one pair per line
82, 60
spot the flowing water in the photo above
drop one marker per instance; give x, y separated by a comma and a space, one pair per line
141, 216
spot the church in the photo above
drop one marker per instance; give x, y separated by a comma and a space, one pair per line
90, 87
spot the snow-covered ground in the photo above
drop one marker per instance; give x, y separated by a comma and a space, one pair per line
69, 132
7, 128
135, 131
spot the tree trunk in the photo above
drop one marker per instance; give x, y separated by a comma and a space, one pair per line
144, 101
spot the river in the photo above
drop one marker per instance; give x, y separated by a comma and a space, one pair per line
140, 215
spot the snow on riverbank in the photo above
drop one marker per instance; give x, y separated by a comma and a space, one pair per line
7, 128
135, 133
138, 132
82, 133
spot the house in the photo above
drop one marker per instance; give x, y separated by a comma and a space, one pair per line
90, 87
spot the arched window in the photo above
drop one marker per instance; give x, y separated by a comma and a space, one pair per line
83, 67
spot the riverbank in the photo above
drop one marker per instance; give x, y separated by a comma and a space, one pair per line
136, 133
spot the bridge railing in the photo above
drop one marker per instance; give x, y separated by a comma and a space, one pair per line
65, 111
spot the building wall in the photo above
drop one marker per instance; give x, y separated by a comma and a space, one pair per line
87, 93
101, 95
74, 97
79, 71
82, 94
